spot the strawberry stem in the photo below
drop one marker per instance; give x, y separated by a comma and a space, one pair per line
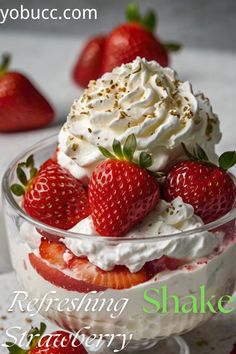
172, 46
149, 20
226, 160
126, 152
5, 64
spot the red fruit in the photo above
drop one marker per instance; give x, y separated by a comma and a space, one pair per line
88, 65
59, 342
209, 189
120, 194
60, 279
119, 278
56, 198
128, 41
53, 252
22, 106
52, 195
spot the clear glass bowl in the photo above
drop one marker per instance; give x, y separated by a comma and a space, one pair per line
217, 273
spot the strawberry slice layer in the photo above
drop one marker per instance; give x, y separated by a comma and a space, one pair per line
59, 279
118, 278
82, 276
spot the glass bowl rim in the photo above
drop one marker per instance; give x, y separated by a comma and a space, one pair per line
51, 140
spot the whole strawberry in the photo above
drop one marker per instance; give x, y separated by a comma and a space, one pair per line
22, 106
88, 64
126, 42
51, 195
208, 188
121, 193
58, 342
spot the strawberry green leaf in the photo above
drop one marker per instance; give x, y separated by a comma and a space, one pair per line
22, 164
117, 149
149, 20
145, 160
35, 334
17, 189
14, 349
30, 161
172, 46
130, 147
21, 175
5, 64
33, 172
132, 12
106, 153
227, 160
200, 153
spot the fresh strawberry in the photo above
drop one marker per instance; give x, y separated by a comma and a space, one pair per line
135, 38
51, 195
118, 278
88, 65
60, 279
121, 193
58, 342
22, 106
208, 188
127, 41
54, 252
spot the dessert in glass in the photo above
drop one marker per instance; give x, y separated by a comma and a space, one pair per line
129, 201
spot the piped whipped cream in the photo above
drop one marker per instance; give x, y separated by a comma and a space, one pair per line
140, 98
165, 219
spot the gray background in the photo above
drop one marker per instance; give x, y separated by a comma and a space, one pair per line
196, 23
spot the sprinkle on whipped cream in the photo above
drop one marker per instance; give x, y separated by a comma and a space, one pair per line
144, 99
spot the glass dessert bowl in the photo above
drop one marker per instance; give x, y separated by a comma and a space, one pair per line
128, 226
182, 263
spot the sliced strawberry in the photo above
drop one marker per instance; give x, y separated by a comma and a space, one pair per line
54, 252
59, 279
119, 278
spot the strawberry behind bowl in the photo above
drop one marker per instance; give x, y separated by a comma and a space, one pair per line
136, 37
22, 106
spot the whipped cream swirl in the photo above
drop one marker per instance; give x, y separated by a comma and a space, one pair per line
140, 98
165, 219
